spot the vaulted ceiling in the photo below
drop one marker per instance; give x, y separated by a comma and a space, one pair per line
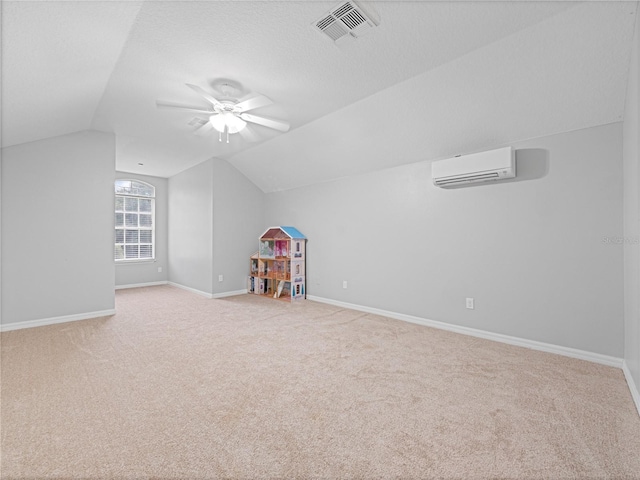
433, 79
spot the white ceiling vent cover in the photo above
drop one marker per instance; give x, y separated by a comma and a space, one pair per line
346, 21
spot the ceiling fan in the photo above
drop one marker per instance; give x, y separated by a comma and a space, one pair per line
228, 116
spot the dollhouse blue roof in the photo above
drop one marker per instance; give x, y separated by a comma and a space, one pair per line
293, 232
277, 232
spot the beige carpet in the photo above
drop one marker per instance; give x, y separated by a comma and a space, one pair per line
179, 386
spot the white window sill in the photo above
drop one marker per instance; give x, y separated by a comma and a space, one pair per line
136, 261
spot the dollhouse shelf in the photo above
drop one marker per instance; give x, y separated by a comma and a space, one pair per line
277, 269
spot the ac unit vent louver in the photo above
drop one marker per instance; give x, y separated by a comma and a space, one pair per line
467, 179
345, 22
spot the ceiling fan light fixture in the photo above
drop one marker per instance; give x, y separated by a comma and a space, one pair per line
227, 121
218, 122
234, 123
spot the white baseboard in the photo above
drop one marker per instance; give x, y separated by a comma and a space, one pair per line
138, 285
52, 321
230, 294
192, 290
635, 394
209, 295
497, 337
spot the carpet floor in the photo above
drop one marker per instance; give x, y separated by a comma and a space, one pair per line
180, 386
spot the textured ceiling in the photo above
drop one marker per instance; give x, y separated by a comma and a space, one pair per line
433, 79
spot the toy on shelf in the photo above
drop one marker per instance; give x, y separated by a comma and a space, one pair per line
277, 269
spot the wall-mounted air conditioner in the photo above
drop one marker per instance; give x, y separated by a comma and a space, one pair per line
477, 167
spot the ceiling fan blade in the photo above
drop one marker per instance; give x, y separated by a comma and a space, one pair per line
249, 135
254, 102
204, 129
204, 94
267, 122
180, 106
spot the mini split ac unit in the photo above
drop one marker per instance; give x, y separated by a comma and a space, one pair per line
478, 167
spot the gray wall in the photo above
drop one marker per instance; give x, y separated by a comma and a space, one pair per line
530, 251
57, 227
238, 220
631, 237
215, 217
134, 273
190, 207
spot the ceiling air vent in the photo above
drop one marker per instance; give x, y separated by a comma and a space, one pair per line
346, 21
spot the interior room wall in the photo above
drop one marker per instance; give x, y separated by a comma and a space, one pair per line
57, 224
631, 237
190, 215
238, 220
145, 272
0, 192
0, 225
538, 253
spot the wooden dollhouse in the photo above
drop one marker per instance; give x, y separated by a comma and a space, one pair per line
277, 269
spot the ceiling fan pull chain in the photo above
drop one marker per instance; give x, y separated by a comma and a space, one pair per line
219, 136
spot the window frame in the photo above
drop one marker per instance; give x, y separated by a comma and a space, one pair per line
138, 228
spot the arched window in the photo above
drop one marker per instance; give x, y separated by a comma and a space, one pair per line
135, 220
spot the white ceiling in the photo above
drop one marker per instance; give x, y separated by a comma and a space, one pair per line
433, 79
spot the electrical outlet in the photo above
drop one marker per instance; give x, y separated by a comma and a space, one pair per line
220, 278
470, 303
159, 269
344, 284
